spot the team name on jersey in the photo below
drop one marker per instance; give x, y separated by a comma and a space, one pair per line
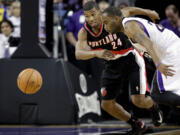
111, 38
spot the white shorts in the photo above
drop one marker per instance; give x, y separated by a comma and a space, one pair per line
171, 83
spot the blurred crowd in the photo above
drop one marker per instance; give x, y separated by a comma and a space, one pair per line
10, 22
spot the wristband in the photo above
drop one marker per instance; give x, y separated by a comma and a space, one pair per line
159, 63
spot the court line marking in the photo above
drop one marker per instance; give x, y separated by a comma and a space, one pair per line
51, 132
172, 132
82, 126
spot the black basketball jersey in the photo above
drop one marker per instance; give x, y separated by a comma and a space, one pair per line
118, 43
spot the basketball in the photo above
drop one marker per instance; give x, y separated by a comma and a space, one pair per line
29, 81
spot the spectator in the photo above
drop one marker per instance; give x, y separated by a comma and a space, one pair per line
42, 21
15, 18
6, 29
103, 5
3, 11
173, 21
62, 13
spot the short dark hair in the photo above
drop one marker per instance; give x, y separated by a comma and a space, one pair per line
8, 22
113, 11
173, 7
90, 5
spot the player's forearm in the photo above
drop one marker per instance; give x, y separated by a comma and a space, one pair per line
139, 47
70, 37
84, 55
151, 51
136, 11
143, 40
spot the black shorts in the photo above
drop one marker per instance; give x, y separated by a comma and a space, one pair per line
130, 67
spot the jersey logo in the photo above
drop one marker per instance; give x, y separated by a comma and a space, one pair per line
103, 92
160, 118
111, 38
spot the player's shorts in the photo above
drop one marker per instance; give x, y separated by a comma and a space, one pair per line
130, 67
170, 83
161, 96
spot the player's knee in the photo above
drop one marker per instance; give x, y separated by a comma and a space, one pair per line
107, 104
138, 100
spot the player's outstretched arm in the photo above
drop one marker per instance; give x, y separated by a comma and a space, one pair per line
83, 51
130, 11
135, 31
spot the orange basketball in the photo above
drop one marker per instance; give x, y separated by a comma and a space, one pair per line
29, 81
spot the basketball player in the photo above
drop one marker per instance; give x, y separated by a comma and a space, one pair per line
163, 46
94, 41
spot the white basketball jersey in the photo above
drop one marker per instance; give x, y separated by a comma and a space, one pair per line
164, 40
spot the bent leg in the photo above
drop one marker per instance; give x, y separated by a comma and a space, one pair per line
115, 109
142, 101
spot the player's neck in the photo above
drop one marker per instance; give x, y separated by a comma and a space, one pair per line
121, 27
97, 28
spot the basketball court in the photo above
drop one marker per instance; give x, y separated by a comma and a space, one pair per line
103, 128
43, 93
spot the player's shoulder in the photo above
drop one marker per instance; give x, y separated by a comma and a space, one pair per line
133, 25
133, 18
82, 34
130, 20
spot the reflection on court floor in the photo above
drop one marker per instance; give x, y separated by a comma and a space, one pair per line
117, 128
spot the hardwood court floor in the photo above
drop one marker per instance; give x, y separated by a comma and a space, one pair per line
103, 128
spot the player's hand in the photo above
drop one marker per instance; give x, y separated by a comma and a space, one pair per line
105, 54
153, 15
146, 54
166, 70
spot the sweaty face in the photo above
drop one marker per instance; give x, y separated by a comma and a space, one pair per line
111, 24
93, 17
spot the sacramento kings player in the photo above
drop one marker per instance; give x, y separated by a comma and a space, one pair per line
163, 46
